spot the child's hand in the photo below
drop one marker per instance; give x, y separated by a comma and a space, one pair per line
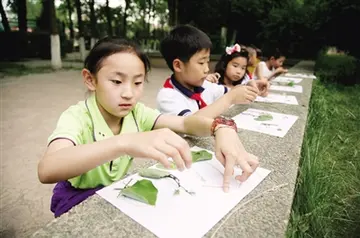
159, 145
281, 70
243, 94
263, 85
213, 78
233, 154
252, 83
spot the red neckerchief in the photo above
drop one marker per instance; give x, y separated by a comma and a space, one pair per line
195, 96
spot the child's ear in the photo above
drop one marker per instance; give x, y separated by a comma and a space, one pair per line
177, 65
89, 80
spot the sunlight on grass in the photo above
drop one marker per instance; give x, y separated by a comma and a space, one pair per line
327, 198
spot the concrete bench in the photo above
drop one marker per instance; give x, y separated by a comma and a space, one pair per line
263, 213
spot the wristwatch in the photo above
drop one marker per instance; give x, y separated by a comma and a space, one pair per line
222, 122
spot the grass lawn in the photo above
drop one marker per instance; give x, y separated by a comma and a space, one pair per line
327, 198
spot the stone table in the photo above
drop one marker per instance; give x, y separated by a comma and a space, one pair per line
263, 213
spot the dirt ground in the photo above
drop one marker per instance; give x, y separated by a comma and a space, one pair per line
30, 107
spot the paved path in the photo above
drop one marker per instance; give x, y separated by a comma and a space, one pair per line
30, 106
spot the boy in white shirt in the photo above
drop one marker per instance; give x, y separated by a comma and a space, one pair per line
187, 53
271, 67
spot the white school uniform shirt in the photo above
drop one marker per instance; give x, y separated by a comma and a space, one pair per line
265, 70
175, 99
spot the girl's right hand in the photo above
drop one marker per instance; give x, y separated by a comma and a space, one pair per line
213, 78
159, 145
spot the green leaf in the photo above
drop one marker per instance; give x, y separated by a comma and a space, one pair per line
142, 191
200, 155
264, 117
153, 173
291, 83
160, 166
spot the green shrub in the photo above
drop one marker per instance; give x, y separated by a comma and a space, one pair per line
339, 68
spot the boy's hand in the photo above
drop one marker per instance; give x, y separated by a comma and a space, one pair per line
213, 78
281, 70
233, 154
243, 94
159, 145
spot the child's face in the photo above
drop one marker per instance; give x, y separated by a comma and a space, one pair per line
236, 68
120, 83
276, 63
195, 71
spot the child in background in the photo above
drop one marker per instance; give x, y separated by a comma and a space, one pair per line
253, 60
232, 67
271, 67
187, 53
96, 140
232, 70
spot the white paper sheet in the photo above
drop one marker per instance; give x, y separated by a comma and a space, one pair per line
298, 75
279, 125
286, 80
294, 89
278, 98
183, 215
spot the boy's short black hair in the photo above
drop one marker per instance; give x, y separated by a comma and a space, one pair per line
182, 43
273, 52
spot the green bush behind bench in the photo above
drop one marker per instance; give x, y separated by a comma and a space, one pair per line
338, 68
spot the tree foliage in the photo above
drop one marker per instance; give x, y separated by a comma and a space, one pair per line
300, 28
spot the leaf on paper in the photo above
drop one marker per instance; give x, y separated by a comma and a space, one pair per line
177, 192
201, 155
264, 117
153, 173
291, 83
142, 191
172, 166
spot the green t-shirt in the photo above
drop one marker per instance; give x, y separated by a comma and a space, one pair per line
83, 124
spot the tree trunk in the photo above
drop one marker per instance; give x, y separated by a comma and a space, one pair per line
93, 42
45, 18
176, 12
71, 24
108, 18
82, 48
127, 5
94, 32
149, 15
4, 19
143, 9
173, 12
79, 17
22, 21
54, 38
81, 30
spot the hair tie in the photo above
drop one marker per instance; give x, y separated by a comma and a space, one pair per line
232, 49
